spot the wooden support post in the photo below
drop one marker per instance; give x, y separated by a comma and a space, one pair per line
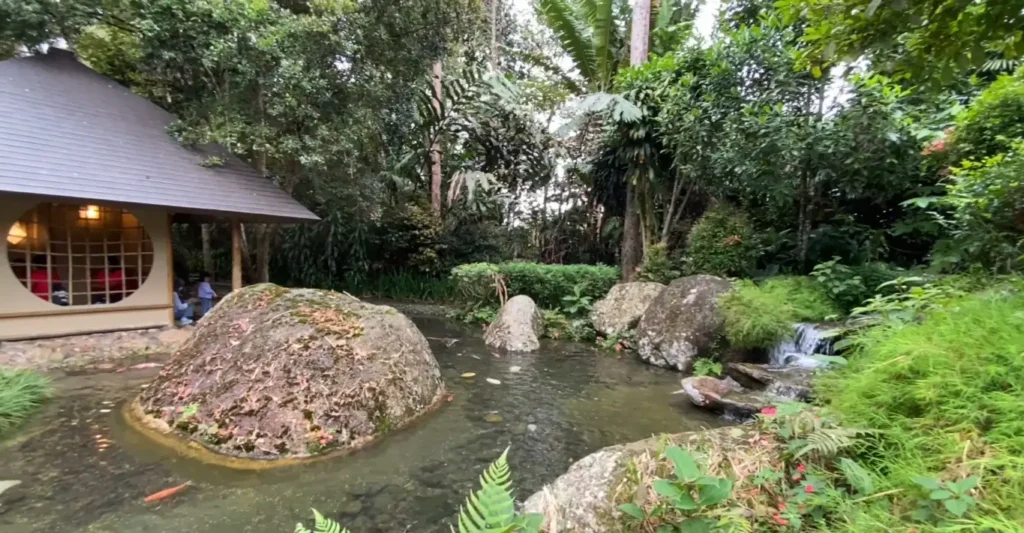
236, 255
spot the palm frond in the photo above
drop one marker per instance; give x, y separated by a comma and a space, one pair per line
604, 26
572, 32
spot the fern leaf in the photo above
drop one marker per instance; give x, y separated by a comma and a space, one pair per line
830, 441
321, 524
490, 509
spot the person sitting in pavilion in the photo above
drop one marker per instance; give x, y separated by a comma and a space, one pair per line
109, 281
43, 285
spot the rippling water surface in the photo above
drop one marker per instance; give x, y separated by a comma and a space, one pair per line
83, 470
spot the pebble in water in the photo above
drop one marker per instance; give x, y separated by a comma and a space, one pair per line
493, 381
493, 418
468, 375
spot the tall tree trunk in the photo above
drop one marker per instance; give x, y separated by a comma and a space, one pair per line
207, 248
495, 36
632, 234
435, 148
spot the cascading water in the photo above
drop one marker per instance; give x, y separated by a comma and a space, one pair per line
799, 351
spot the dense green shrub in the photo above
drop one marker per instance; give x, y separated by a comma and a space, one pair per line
657, 266
546, 284
948, 393
721, 243
762, 315
21, 393
994, 120
987, 201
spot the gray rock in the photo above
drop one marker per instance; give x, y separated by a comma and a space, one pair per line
622, 308
583, 500
8, 484
579, 500
682, 323
792, 383
271, 362
724, 396
518, 326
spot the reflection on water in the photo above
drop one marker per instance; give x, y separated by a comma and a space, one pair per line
83, 470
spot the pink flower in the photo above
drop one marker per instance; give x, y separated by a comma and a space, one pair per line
769, 411
801, 468
779, 520
809, 489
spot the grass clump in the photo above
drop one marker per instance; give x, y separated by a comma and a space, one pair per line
21, 393
947, 392
762, 315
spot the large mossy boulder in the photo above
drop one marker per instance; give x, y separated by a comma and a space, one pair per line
622, 308
275, 373
682, 323
518, 326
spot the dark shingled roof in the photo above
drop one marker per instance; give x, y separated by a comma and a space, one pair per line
69, 133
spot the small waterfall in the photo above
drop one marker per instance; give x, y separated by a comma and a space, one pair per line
809, 340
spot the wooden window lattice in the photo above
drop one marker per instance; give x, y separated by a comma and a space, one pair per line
84, 253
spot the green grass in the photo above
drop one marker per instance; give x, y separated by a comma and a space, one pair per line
21, 393
761, 315
948, 393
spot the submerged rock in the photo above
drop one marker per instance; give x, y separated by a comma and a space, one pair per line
518, 326
274, 372
622, 308
682, 323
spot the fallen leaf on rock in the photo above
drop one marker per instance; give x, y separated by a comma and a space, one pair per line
469, 375
493, 381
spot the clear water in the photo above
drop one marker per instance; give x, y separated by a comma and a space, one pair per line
83, 470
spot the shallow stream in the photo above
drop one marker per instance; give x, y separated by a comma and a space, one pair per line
82, 469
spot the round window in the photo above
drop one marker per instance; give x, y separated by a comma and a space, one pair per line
79, 254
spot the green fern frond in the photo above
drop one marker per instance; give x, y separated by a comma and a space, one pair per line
491, 508
829, 441
321, 524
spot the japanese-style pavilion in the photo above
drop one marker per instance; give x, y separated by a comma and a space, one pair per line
90, 183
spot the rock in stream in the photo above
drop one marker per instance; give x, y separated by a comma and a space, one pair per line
274, 372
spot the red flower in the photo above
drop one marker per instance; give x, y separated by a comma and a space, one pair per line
801, 468
809, 489
779, 520
769, 411
782, 506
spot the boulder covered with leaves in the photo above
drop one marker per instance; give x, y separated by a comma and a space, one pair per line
274, 372
682, 323
518, 326
622, 308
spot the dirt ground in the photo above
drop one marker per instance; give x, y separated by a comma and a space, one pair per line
98, 352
